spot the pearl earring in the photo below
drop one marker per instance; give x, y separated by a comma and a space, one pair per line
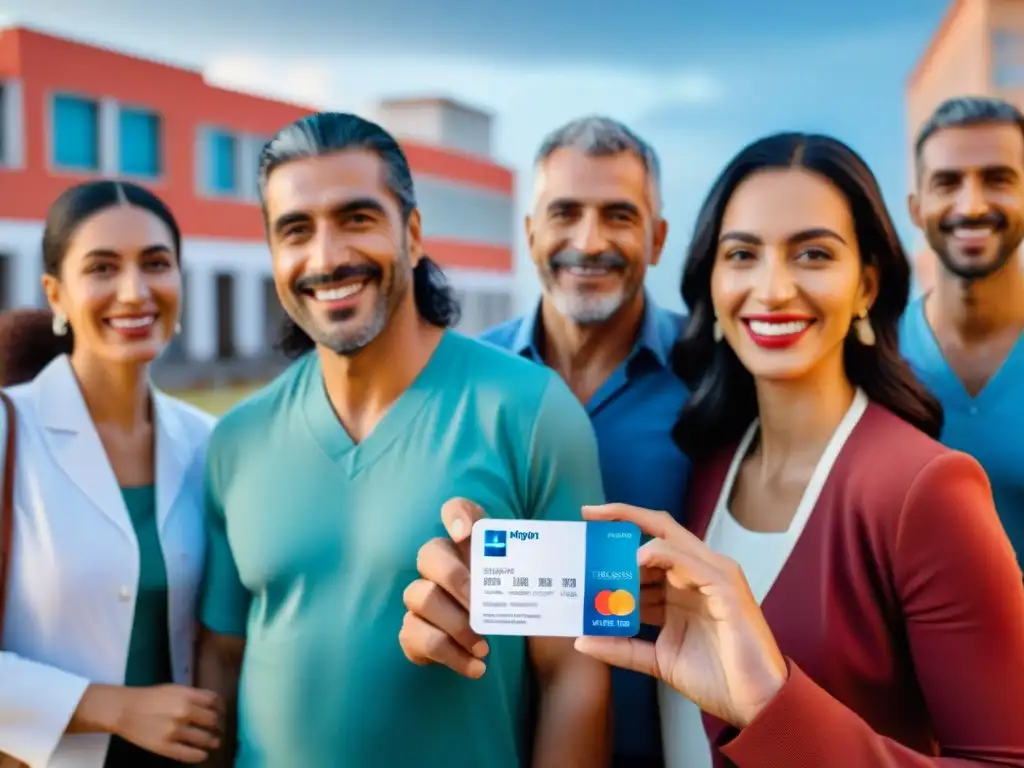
60, 324
862, 327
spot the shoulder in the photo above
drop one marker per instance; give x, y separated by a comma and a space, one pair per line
672, 321
504, 335
492, 370
258, 411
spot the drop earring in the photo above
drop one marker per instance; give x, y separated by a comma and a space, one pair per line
177, 329
862, 327
60, 324
716, 331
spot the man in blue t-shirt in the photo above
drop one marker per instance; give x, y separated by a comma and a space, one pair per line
965, 337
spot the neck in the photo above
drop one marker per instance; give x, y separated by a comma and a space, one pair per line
974, 309
115, 394
573, 350
362, 386
798, 418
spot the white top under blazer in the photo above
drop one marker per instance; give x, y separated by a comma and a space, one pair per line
74, 565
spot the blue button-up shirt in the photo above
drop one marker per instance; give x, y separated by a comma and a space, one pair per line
633, 413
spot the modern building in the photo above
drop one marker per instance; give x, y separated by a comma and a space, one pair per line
71, 112
978, 49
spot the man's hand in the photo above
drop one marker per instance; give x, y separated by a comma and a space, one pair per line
435, 629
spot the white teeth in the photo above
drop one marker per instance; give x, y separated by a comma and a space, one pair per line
778, 329
336, 294
972, 232
587, 271
130, 323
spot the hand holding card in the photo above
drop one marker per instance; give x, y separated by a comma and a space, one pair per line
436, 625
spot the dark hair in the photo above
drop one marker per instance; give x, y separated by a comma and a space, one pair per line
963, 111
80, 202
325, 133
724, 403
28, 344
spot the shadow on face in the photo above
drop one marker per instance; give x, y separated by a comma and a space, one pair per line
593, 232
343, 255
788, 279
970, 197
119, 286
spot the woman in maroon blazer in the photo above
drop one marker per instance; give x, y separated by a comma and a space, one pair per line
845, 595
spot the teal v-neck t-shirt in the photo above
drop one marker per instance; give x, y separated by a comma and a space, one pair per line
313, 539
989, 426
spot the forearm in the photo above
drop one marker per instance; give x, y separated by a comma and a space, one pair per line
218, 669
98, 711
574, 716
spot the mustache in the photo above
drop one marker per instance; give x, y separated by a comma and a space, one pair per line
571, 257
993, 219
308, 283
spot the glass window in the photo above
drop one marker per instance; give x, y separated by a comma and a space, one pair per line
76, 133
139, 137
1008, 58
222, 174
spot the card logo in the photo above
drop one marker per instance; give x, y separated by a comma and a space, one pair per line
495, 544
617, 603
525, 535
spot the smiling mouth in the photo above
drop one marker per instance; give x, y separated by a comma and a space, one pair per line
778, 328
336, 293
973, 238
135, 323
588, 272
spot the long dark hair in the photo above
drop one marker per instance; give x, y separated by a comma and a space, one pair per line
327, 132
723, 402
28, 344
66, 214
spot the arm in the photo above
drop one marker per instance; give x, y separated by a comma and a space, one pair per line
573, 724
224, 612
963, 605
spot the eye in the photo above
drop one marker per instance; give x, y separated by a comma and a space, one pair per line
739, 254
815, 254
159, 263
293, 231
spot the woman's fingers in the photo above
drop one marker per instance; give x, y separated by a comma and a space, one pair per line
624, 652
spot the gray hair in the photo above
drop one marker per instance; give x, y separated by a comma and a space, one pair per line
963, 111
598, 136
327, 132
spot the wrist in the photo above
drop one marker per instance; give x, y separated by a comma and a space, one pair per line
100, 710
773, 682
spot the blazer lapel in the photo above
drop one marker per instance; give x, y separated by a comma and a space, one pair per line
171, 456
72, 439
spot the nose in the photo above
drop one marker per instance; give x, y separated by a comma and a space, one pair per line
970, 200
587, 236
326, 252
132, 287
775, 284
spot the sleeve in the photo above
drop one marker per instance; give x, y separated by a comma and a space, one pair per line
963, 604
37, 701
563, 465
224, 600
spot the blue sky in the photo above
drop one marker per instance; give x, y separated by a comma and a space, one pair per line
697, 78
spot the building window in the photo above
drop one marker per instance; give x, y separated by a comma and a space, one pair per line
76, 133
273, 314
1008, 59
225, 317
139, 134
222, 174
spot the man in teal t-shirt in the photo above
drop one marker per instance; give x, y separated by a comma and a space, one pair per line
323, 486
965, 338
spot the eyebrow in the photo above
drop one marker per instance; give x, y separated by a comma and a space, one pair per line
619, 206
816, 233
997, 168
149, 250
350, 207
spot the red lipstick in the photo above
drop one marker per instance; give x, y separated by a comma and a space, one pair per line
778, 331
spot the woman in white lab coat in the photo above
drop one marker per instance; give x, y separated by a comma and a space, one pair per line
108, 545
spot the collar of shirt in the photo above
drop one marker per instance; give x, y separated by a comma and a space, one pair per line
658, 334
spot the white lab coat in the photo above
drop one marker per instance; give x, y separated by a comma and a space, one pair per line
74, 563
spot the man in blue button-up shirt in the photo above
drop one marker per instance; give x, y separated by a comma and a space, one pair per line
594, 229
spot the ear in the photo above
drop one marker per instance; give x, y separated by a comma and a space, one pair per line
51, 289
528, 229
868, 288
658, 240
414, 237
914, 209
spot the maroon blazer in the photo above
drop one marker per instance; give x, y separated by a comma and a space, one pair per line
900, 612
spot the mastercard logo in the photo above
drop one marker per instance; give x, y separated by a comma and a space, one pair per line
614, 603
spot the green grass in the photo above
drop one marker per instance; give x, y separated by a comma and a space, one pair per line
215, 400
